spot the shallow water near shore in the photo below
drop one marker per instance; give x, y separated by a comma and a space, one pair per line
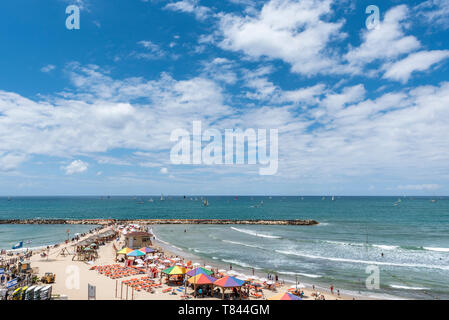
36, 236
352, 235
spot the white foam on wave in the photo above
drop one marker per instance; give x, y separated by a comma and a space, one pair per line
359, 244
397, 286
290, 273
437, 249
253, 233
242, 244
405, 265
385, 247
240, 263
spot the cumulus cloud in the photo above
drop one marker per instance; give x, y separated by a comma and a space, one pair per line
293, 31
76, 166
418, 61
48, 68
10, 161
435, 12
385, 42
190, 6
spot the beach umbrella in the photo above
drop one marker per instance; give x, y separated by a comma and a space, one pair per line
221, 270
229, 282
198, 271
270, 282
146, 250
201, 279
285, 296
135, 253
124, 251
299, 286
175, 270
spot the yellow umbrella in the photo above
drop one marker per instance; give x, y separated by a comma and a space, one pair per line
124, 251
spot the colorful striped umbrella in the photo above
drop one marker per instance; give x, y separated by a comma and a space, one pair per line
229, 282
124, 251
198, 271
175, 270
135, 253
147, 250
285, 296
202, 279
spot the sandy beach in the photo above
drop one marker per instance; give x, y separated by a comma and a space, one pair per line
73, 277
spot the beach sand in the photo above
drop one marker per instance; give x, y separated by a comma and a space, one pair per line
73, 277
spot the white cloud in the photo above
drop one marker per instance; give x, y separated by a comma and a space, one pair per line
76, 166
419, 187
418, 61
190, 6
10, 161
436, 12
164, 170
48, 68
153, 51
385, 42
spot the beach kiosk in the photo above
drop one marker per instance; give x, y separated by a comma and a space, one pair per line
138, 239
229, 282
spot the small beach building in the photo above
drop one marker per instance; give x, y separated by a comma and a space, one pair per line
138, 239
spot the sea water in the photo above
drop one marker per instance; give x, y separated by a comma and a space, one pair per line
408, 241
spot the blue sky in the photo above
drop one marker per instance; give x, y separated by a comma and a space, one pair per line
90, 112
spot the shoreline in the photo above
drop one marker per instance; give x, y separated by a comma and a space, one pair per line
173, 250
176, 251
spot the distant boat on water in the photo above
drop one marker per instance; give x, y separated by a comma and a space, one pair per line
205, 203
162, 197
151, 200
333, 198
433, 200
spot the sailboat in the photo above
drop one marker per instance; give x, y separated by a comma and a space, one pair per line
333, 198
162, 197
151, 200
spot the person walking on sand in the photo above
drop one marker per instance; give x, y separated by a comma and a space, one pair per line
332, 289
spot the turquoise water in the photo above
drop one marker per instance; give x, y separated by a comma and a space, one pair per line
35, 236
353, 233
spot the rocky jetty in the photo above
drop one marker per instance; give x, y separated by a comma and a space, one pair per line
159, 221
